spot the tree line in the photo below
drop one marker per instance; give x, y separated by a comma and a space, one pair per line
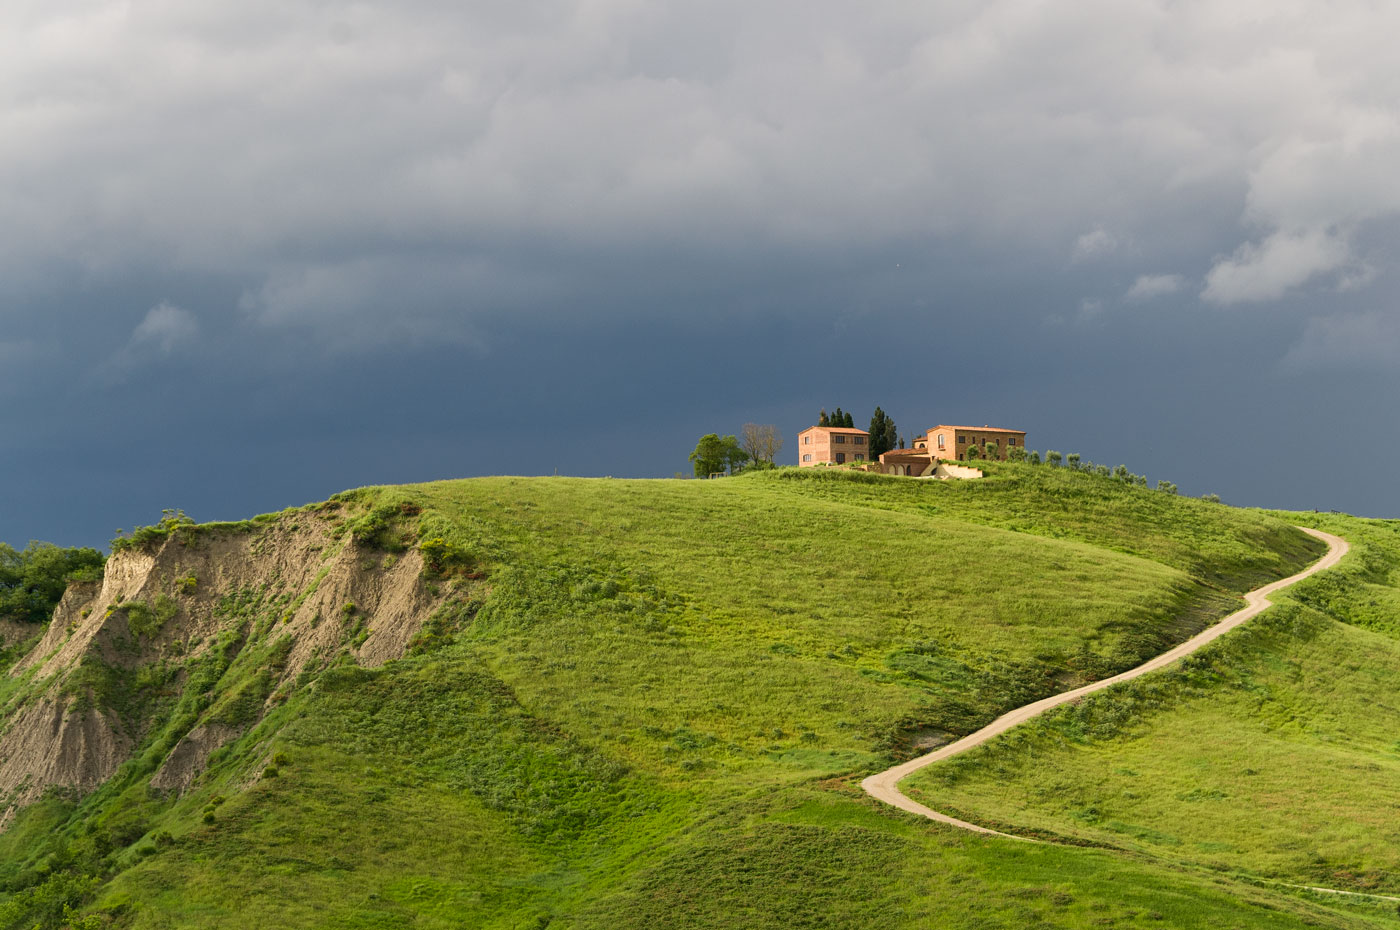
1074, 462
884, 435
32, 580
756, 446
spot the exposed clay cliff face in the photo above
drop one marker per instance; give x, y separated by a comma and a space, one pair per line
329, 595
191, 754
53, 743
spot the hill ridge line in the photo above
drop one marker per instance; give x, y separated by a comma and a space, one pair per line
884, 786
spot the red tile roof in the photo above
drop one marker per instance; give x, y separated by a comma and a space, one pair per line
839, 429
977, 429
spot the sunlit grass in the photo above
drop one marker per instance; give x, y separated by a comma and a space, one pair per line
1273, 753
660, 711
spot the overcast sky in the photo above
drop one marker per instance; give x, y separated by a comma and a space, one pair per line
256, 253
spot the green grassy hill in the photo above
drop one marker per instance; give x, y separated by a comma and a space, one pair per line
649, 703
1273, 753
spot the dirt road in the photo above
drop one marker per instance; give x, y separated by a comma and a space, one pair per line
885, 785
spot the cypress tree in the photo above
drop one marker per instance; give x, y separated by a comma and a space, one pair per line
877, 432
850, 420
882, 434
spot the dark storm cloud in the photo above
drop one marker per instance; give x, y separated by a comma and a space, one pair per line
243, 238
323, 151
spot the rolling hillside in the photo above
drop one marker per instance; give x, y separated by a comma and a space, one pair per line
1273, 754
575, 703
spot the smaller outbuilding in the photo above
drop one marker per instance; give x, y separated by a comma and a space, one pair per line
915, 463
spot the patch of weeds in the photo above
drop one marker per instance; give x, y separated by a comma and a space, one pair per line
257, 674
146, 620
148, 537
437, 631
382, 526
443, 558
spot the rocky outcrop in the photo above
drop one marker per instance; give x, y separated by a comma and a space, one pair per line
294, 577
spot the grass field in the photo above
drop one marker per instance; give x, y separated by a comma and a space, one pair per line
1272, 753
661, 708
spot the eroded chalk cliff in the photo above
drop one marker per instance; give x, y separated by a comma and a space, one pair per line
198, 634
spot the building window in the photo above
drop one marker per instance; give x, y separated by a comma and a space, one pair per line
858, 440
838, 438
962, 438
1011, 440
940, 442
859, 457
807, 457
840, 458
806, 440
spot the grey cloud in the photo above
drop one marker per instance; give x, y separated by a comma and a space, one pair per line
290, 144
1355, 340
1093, 244
165, 330
1280, 263
1149, 286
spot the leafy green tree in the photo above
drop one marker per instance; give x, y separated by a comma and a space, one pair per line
991, 450
1016, 454
1072, 460
33, 580
1211, 498
1053, 457
850, 420
1122, 474
883, 434
824, 420
715, 454
838, 418
1166, 487
1034, 457
973, 451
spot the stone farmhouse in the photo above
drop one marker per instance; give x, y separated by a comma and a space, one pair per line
832, 445
835, 445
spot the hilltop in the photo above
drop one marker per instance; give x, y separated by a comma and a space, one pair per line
559, 702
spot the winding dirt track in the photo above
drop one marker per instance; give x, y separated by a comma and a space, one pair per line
885, 785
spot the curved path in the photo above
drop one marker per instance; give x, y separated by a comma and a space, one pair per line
885, 785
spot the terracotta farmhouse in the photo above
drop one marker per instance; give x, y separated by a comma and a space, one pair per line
840, 445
